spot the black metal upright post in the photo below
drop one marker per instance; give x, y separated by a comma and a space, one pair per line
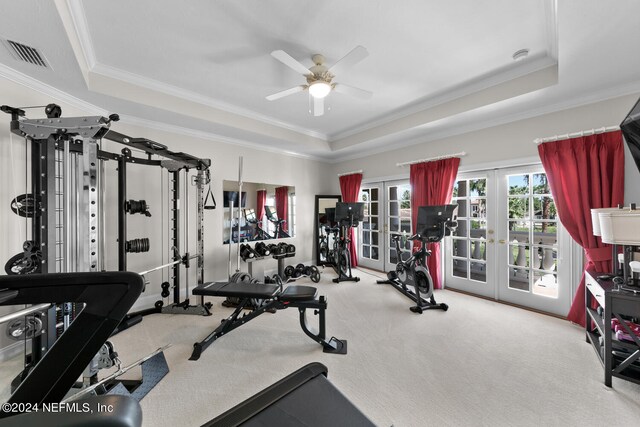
122, 214
175, 227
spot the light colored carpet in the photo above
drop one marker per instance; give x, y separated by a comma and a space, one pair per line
480, 363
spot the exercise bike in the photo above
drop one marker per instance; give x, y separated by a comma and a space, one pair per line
278, 223
347, 215
412, 277
258, 233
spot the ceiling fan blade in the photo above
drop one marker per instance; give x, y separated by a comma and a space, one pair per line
356, 55
288, 60
318, 106
286, 93
353, 91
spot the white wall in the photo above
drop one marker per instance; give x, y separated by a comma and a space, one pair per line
501, 145
144, 182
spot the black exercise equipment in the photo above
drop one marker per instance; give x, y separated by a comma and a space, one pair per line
292, 273
138, 245
277, 222
434, 223
303, 398
25, 205
256, 223
346, 215
27, 262
107, 298
274, 298
137, 206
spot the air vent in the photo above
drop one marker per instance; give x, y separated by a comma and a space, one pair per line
26, 53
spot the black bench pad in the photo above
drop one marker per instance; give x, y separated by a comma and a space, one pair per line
298, 293
238, 290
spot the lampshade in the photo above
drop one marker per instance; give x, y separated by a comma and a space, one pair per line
595, 219
620, 226
319, 89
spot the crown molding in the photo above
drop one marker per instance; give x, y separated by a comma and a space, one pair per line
45, 89
597, 96
58, 95
477, 84
81, 31
210, 136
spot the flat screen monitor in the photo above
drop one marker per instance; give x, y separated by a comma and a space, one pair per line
430, 218
233, 196
349, 211
330, 214
271, 213
631, 130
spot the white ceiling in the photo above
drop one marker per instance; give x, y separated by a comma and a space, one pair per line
435, 68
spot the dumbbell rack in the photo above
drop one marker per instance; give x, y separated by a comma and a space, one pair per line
281, 258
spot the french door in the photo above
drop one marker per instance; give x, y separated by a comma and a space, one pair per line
387, 213
509, 244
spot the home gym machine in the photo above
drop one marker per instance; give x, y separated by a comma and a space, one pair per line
412, 277
347, 216
65, 211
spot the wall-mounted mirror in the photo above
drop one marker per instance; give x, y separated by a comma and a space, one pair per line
324, 238
267, 212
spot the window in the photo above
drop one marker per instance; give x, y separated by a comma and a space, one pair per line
291, 221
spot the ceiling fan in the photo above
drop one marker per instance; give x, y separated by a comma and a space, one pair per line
320, 77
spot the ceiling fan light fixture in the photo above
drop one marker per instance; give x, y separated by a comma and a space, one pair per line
319, 89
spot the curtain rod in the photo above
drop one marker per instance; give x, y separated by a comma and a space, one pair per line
576, 134
431, 159
350, 173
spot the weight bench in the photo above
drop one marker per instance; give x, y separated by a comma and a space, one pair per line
267, 297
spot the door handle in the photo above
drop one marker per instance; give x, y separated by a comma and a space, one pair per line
502, 241
491, 241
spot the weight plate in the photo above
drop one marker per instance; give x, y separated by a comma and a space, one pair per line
24, 328
21, 264
289, 270
315, 276
25, 206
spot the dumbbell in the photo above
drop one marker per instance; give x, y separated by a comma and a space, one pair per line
282, 248
273, 248
289, 271
299, 270
262, 249
291, 249
246, 252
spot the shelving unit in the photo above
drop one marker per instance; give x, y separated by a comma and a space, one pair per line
619, 359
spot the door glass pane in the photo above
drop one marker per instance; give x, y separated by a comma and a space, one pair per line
545, 284
365, 251
540, 184
374, 208
462, 208
518, 231
461, 231
519, 278
519, 207
374, 253
478, 187
544, 208
460, 268
478, 272
518, 184
460, 247
519, 255
478, 248
366, 239
374, 194
374, 238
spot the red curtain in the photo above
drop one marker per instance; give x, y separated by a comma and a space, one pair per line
282, 205
432, 185
260, 203
585, 173
350, 189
